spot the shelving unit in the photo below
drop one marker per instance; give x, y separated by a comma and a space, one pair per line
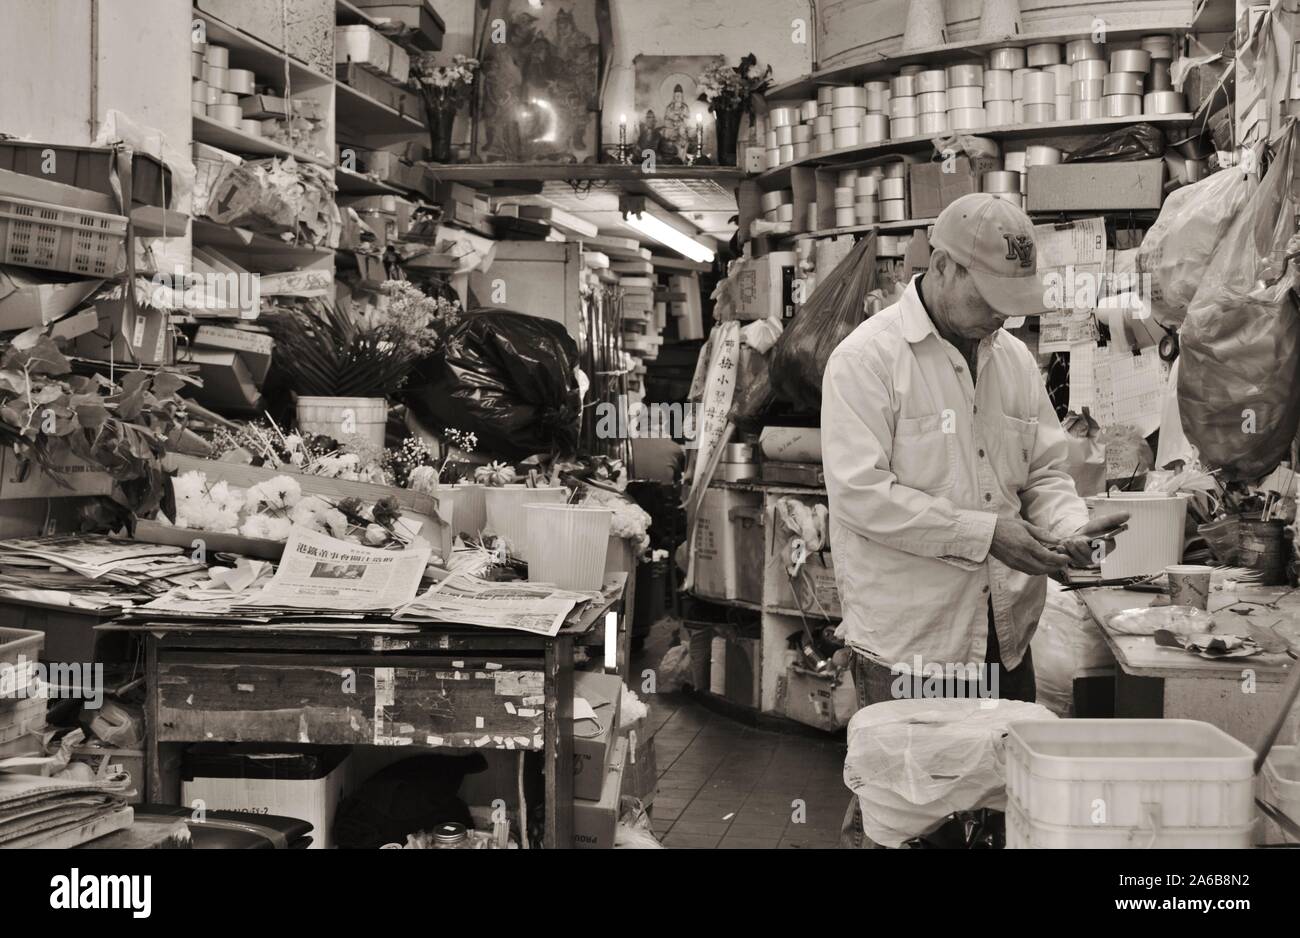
214, 133
353, 109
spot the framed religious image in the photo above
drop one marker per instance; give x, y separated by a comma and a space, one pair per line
669, 120
543, 68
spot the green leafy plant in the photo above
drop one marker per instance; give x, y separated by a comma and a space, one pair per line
46, 411
331, 353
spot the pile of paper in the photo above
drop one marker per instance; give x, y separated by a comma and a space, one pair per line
461, 599
56, 813
90, 570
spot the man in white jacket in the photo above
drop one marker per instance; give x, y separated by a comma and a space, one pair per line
945, 469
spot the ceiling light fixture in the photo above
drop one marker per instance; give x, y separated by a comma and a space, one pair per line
669, 236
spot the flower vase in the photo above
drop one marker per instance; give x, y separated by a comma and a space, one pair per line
442, 120
728, 129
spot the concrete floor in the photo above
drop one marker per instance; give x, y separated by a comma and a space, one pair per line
724, 784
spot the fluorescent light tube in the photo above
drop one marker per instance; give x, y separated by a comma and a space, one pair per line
669, 236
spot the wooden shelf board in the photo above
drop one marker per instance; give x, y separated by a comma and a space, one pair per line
349, 14
363, 115
217, 134
152, 221
487, 174
353, 183
947, 54
232, 238
779, 178
265, 60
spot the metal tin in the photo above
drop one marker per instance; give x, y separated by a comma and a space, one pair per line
965, 96
251, 127
1000, 181
783, 116
1130, 60
866, 186
1062, 107
1085, 110
232, 115
847, 117
849, 96
215, 76
1038, 88
808, 111
1018, 84
1043, 54
823, 142
1080, 49
1121, 105
931, 80
1007, 58
902, 107
737, 471
803, 149
784, 135
822, 125
967, 118
864, 211
844, 196
893, 189
895, 170
1159, 79
848, 177
933, 123
1164, 102
803, 133
900, 127
199, 92
1040, 113
911, 69
1089, 90
772, 157
198, 109
893, 209
997, 85
1088, 70
847, 136
772, 142
824, 93
875, 128
877, 93
787, 152
1122, 83
214, 96
241, 81
1064, 74
228, 98
216, 56
1014, 161
197, 64
785, 212
846, 217
932, 102
999, 113
768, 201
965, 76
1037, 154
887, 245
902, 86
1160, 47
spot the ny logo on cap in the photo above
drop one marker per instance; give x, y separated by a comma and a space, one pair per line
1020, 247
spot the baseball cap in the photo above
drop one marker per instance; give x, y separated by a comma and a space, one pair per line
994, 241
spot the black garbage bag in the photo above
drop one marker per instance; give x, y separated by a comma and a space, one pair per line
508, 378
836, 308
1134, 142
413, 795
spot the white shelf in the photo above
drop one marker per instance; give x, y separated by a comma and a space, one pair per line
217, 134
266, 61
365, 116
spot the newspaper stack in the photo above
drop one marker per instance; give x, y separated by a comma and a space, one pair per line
92, 570
462, 599
36, 811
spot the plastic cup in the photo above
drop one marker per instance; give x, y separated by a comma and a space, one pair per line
1189, 584
567, 545
506, 517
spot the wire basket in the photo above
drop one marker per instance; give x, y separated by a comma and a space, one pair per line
51, 237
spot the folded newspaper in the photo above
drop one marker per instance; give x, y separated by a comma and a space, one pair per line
323, 573
539, 608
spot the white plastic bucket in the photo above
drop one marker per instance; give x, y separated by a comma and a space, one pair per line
338, 417
471, 506
505, 512
567, 545
1279, 785
1154, 539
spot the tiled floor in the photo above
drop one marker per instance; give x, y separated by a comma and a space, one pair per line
724, 784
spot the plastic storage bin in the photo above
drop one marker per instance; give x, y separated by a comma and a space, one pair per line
1279, 785
1127, 783
51, 237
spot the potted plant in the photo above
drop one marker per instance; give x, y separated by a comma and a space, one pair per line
342, 367
446, 89
729, 92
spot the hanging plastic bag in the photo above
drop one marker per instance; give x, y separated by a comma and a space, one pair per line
507, 377
912, 763
835, 309
1179, 246
1086, 459
1067, 641
1240, 343
1135, 142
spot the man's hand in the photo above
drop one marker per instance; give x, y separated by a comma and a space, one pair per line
1023, 547
1084, 548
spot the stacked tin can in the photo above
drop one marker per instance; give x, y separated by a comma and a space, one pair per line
778, 205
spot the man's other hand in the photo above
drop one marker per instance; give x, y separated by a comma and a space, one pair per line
1085, 549
1023, 547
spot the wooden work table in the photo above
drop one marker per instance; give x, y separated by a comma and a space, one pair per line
1238, 695
445, 686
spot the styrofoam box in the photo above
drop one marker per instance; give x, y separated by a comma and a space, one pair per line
1117, 783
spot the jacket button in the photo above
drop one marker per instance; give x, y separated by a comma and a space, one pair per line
988, 497
981, 454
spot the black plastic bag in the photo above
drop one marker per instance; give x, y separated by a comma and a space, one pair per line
836, 308
1135, 142
508, 378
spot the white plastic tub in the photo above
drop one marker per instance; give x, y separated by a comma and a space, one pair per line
1279, 785
1127, 783
1154, 538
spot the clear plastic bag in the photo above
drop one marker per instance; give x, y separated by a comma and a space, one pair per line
1240, 342
1067, 642
912, 763
1181, 243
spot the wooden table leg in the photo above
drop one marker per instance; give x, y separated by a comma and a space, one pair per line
558, 740
152, 722
1138, 697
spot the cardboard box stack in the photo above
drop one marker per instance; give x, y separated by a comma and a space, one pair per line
465, 208
642, 334
599, 757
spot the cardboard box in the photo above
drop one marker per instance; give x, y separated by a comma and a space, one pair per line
227, 382
35, 298
386, 93
254, 348
361, 45
641, 776
826, 701
21, 478
419, 16
931, 189
594, 822
307, 785
728, 547
77, 324
735, 670
592, 738
143, 337
1096, 186
765, 287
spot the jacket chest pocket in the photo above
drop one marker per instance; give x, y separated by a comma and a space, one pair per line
925, 456
1016, 449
